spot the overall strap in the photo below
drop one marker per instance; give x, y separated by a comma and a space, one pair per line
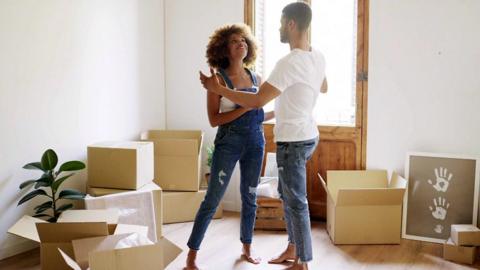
227, 80
253, 76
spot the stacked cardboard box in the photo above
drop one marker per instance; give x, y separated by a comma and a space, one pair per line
363, 207
58, 242
270, 214
463, 243
177, 171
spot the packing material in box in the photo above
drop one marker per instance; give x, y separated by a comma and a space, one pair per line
465, 235
460, 254
140, 207
123, 165
121, 252
52, 236
183, 206
363, 207
177, 158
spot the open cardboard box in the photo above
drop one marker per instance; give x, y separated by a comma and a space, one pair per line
465, 235
52, 236
121, 252
460, 254
62, 235
177, 158
363, 207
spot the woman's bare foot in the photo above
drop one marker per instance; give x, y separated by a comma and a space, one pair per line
191, 258
247, 255
287, 255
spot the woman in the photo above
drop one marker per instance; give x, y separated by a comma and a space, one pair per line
231, 51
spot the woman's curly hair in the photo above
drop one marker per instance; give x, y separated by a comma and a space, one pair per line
217, 48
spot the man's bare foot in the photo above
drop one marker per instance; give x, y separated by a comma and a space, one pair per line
298, 266
247, 255
287, 255
191, 257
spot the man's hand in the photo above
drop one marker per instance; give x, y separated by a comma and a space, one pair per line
211, 82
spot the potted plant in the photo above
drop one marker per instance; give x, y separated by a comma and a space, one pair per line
210, 150
48, 185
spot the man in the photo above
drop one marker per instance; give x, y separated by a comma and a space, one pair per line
295, 83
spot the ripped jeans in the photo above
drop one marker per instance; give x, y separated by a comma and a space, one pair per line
232, 143
292, 158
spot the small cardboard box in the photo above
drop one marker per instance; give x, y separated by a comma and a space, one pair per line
52, 236
177, 158
459, 254
465, 235
363, 207
101, 253
122, 165
157, 196
183, 206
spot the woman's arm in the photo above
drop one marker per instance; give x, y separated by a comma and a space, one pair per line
217, 118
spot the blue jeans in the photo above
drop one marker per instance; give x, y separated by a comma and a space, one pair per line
292, 158
232, 144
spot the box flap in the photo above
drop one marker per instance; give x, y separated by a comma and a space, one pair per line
397, 181
170, 250
26, 228
370, 196
175, 142
101, 215
66, 232
69, 261
324, 184
356, 179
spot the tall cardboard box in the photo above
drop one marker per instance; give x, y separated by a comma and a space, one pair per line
363, 207
177, 158
460, 254
122, 165
183, 206
157, 196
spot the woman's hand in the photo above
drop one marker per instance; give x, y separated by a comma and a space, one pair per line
211, 82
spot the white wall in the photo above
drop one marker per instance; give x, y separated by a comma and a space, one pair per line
73, 73
424, 83
188, 25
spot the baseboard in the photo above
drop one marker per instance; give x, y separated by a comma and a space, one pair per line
20, 247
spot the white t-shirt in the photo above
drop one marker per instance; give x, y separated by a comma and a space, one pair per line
299, 76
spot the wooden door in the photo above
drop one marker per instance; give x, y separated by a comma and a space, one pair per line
340, 147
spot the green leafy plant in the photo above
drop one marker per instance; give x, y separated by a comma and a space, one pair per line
210, 150
48, 185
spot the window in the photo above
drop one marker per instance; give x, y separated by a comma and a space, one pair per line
334, 32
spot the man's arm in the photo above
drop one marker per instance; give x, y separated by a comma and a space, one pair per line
324, 87
266, 92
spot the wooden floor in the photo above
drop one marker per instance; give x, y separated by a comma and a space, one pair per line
221, 250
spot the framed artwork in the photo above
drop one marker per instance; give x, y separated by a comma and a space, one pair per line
442, 190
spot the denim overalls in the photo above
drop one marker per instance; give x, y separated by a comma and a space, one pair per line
240, 140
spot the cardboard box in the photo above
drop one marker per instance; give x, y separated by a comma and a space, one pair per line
177, 158
52, 236
363, 207
102, 253
122, 165
465, 235
156, 196
183, 206
460, 254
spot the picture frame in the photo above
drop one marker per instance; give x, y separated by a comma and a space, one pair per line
442, 190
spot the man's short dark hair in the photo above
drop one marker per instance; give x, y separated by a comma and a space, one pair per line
300, 13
